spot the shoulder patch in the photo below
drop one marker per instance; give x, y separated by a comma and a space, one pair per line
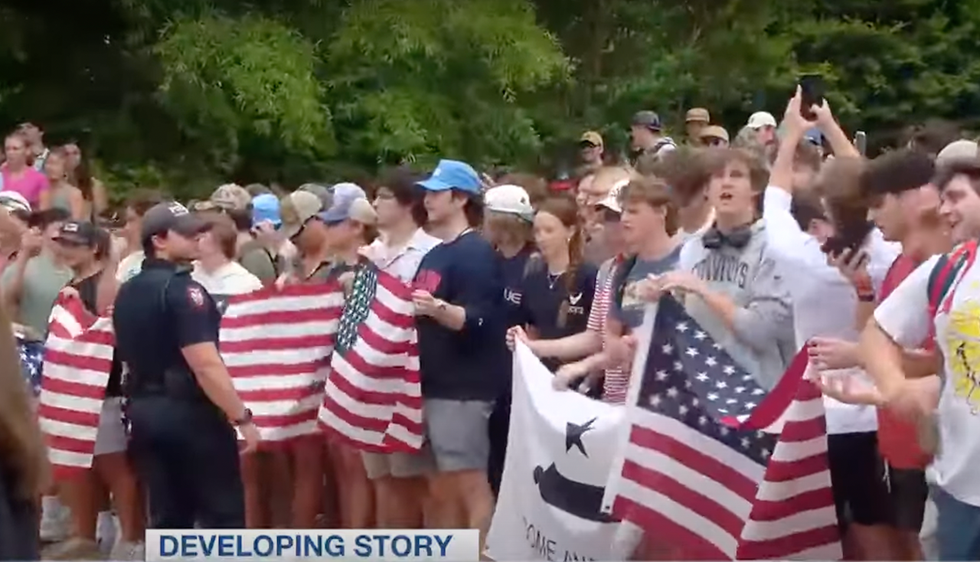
196, 295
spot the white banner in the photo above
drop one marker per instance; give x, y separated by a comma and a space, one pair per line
559, 454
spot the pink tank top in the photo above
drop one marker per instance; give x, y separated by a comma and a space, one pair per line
30, 184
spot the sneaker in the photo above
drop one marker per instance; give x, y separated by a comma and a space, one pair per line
55, 520
106, 532
128, 551
73, 549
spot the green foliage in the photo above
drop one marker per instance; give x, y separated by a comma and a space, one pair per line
186, 94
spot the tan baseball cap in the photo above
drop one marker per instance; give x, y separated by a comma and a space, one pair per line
232, 197
591, 137
297, 208
958, 150
697, 115
714, 132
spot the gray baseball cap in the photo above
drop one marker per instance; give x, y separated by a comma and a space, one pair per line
344, 195
648, 119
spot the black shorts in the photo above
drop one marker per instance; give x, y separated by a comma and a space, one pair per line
908, 491
857, 476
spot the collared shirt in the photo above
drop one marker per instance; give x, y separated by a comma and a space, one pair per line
403, 261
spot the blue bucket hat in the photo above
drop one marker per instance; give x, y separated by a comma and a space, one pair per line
453, 174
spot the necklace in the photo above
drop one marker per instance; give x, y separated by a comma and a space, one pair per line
553, 278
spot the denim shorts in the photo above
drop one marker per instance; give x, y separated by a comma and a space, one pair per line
957, 527
31, 358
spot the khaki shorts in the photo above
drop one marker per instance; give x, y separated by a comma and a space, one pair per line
111, 437
398, 465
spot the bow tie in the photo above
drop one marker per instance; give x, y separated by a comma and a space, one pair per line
714, 239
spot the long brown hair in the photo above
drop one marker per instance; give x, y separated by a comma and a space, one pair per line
839, 182
564, 209
22, 452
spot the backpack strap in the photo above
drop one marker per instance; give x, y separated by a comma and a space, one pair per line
946, 273
619, 280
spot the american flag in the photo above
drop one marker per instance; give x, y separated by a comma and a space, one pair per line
276, 344
716, 466
373, 398
75, 372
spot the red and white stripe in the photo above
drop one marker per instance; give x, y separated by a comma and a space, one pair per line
77, 360
373, 398
276, 344
714, 503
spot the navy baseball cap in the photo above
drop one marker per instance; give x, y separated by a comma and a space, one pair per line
81, 233
453, 174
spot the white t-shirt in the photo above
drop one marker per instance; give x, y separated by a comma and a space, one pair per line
824, 302
904, 316
129, 266
403, 262
229, 279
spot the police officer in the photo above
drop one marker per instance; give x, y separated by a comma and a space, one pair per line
182, 407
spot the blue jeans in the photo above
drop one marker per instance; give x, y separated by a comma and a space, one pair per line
957, 527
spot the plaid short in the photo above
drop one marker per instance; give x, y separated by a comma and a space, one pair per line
31, 357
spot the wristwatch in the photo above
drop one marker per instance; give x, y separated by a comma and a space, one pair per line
244, 420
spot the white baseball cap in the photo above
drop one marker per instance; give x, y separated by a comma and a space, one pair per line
611, 201
761, 119
509, 199
13, 201
958, 150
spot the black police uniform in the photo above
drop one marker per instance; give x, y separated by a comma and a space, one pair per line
184, 447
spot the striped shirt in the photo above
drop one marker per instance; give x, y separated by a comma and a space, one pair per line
615, 382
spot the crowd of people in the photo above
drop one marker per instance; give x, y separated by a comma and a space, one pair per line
786, 237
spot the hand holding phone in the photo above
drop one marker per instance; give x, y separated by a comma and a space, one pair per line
861, 142
812, 90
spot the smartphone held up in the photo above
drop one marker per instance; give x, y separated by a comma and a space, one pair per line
812, 92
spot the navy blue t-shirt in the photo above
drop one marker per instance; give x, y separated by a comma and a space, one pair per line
470, 364
512, 269
544, 296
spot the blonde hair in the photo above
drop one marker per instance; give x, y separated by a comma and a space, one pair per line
22, 451
607, 177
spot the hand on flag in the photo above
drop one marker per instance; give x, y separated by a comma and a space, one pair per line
425, 303
515, 334
250, 434
568, 373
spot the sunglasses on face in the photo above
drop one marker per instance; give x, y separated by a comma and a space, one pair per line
713, 141
302, 228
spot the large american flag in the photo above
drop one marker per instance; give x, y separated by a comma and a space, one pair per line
276, 344
75, 372
373, 398
717, 468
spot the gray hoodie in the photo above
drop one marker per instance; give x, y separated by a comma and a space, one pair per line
762, 337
